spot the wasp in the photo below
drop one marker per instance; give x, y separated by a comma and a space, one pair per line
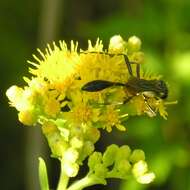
134, 86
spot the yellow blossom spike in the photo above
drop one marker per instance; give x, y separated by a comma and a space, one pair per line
34, 64
63, 45
41, 53
120, 127
26, 79
49, 50
124, 115
74, 46
36, 58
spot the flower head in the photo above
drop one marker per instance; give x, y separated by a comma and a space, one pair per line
71, 118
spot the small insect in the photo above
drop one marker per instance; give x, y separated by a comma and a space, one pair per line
134, 86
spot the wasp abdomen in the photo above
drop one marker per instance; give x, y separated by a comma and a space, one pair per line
98, 85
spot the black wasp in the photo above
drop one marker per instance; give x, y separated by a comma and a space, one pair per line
134, 86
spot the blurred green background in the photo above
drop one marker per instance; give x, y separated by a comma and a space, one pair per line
164, 28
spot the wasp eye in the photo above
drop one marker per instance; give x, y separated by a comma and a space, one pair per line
160, 83
162, 89
164, 95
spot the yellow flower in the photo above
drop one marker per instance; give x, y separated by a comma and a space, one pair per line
57, 65
81, 114
158, 105
52, 107
111, 118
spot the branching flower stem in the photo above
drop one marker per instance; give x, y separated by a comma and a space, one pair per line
63, 180
87, 181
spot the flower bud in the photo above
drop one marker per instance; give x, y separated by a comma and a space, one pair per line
58, 146
100, 170
94, 159
71, 155
134, 44
88, 148
71, 169
109, 155
19, 98
14, 93
93, 134
123, 167
138, 57
146, 178
140, 168
76, 143
137, 155
125, 151
117, 44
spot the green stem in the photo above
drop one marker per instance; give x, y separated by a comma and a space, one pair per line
63, 180
86, 182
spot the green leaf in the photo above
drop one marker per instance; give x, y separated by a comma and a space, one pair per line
43, 175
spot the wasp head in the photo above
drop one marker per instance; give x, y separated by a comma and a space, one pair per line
161, 89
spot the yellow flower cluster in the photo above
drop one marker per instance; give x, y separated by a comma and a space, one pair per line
55, 88
70, 117
120, 162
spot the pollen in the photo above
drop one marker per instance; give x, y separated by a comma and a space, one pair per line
82, 113
111, 119
52, 107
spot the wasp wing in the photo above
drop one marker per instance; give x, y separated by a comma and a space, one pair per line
98, 85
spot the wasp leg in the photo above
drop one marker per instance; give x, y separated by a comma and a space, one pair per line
152, 112
127, 100
128, 64
138, 70
96, 52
